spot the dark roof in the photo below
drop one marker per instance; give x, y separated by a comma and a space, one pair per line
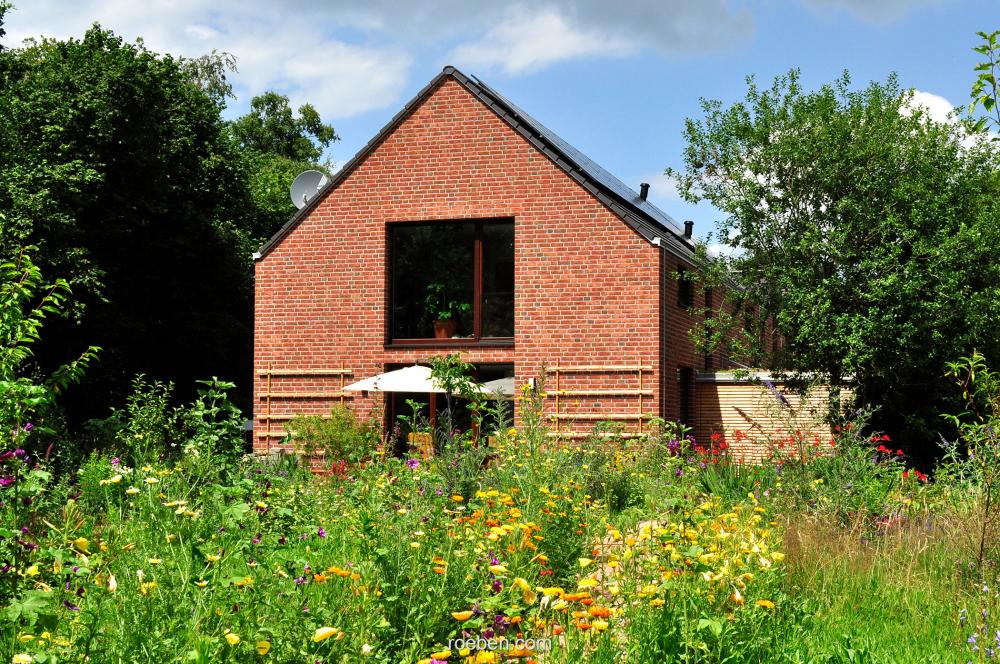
647, 219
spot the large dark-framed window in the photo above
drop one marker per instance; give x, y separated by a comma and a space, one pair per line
451, 282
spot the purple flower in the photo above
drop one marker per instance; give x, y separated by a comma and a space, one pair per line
7, 480
70, 605
321, 532
256, 539
497, 586
28, 427
300, 580
116, 461
412, 463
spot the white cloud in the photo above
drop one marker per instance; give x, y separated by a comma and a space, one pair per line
349, 57
939, 109
523, 40
935, 106
876, 11
527, 41
276, 48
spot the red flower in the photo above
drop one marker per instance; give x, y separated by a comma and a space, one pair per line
885, 437
906, 474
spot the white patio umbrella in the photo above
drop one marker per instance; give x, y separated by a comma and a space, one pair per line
408, 379
504, 386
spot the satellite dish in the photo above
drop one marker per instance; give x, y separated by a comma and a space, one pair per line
306, 185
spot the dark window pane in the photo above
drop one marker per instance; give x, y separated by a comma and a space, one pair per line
432, 277
498, 280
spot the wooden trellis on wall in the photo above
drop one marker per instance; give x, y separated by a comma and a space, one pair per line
640, 392
275, 402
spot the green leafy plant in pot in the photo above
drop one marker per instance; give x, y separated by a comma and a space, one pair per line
444, 311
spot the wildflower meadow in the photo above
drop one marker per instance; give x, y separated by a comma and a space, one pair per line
505, 546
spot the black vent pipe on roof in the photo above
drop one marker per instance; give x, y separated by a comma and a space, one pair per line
688, 229
643, 190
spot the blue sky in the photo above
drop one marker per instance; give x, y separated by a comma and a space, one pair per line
616, 79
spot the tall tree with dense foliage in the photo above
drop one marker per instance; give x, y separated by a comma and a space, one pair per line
277, 145
118, 167
866, 229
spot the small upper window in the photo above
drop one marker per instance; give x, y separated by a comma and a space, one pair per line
685, 289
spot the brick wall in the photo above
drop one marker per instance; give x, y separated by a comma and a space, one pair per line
587, 285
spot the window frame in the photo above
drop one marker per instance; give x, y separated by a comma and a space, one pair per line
685, 289
477, 287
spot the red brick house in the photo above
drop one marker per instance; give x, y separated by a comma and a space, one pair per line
465, 202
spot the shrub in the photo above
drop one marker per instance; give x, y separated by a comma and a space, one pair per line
340, 437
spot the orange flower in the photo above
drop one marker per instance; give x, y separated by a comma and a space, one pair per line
600, 612
461, 616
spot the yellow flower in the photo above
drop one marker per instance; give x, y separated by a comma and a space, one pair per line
659, 601
461, 616
587, 583
232, 639
201, 583
457, 498
81, 543
441, 654
31, 571
155, 561
263, 647
766, 603
777, 556
499, 570
151, 480
146, 587
212, 558
112, 583
324, 633
584, 562
22, 658
132, 490
599, 625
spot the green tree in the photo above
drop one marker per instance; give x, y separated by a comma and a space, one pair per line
984, 88
276, 146
25, 302
4, 8
118, 166
272, 128
867, 230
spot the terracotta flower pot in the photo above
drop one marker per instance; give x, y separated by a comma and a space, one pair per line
445, 329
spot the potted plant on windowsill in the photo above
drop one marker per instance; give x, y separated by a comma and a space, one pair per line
443, 311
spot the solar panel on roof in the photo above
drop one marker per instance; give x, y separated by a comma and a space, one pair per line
591, 167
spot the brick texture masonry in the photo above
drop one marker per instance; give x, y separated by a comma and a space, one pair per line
589, 289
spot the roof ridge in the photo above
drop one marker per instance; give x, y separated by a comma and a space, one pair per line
645, 218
